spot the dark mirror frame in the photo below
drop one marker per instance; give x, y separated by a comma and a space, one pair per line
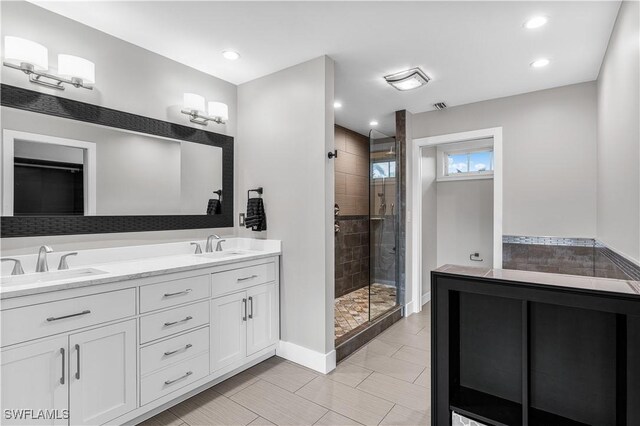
31, 226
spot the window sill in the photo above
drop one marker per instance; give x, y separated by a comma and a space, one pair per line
459, 178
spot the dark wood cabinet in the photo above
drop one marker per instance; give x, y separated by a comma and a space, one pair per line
522, 353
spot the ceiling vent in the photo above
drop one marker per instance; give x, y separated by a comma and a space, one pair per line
439, 106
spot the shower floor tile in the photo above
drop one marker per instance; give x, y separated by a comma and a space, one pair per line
352, 309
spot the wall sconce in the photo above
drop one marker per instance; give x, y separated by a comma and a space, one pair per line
33, 59
193, 106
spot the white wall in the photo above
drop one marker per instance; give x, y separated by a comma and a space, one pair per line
429, 216
465, 222
549, 156
128, 78
619, 136
285, 130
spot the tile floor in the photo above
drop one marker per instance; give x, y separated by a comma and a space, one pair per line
386, 382
352, 309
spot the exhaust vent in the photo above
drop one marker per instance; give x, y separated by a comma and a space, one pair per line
439, 105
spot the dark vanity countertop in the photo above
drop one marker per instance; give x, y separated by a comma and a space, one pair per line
575, 282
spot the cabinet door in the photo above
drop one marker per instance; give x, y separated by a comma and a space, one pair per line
102, 382
34, 377
262, 322
228, 330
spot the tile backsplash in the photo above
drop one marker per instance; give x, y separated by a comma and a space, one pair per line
574, 256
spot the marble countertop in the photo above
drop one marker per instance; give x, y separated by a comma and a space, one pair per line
575, 282
157, 262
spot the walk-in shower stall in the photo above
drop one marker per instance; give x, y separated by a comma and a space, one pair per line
366, 233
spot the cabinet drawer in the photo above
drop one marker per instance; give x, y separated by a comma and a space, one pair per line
175, 292
173, 321
32, 322
238, 279
168, 352
173, 378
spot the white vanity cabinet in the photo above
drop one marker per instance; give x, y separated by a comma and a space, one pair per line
112, 353
245, 321
102, 373
87, 376
34, 376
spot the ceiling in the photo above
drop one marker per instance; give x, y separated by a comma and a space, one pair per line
473, 51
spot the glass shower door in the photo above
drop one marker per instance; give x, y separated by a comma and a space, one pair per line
384, 293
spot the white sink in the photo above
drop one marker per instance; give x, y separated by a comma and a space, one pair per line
42, 277
223, 254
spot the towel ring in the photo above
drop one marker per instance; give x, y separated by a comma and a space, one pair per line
258, 190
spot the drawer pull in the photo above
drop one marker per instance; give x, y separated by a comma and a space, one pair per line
167, 324
178, 350
247, 278
187, 374
187, 291
78, 361
244, 309
63, 363
69, 316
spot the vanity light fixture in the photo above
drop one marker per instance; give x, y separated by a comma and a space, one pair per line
193, 106
408, 80
33, 59
539, 63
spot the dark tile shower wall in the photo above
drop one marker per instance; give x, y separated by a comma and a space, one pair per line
567, 256
352, 254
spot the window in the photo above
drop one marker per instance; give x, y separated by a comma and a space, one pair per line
469, 162
465, 160
383, 169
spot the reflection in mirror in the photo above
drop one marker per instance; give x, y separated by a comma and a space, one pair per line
64, 167
48, 180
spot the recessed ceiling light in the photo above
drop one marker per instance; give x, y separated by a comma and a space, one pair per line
231, 55
337, 105
373, 123
407, 80
542, 62
536, 22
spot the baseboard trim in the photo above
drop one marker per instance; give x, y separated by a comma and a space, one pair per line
317, 361
426, 298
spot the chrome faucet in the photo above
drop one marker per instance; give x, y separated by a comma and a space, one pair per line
41, 265
17, 266
209, 247
63, 261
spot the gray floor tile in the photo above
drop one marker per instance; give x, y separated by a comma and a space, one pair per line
416, 356
402, 416
349, 374
282, 373
335, 419
424, 379
407, 339
211, 408
260, 421
278, 405
393, 367
398, 391
355, 404
166, 418
236, 383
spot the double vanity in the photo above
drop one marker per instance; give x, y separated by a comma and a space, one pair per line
125, 333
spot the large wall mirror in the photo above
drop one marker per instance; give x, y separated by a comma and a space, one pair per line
75, 168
